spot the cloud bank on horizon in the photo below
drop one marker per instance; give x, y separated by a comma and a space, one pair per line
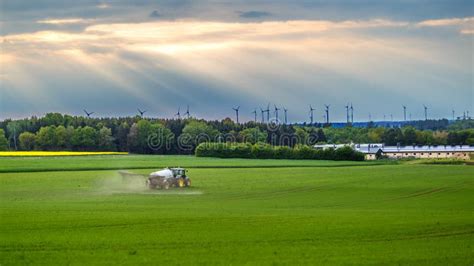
113, 56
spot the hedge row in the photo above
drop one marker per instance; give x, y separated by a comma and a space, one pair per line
266, 151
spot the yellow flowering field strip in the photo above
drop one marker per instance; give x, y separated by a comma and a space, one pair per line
56, 153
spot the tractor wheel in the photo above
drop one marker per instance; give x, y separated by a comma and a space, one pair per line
150, 185
166, 185
187, 182
180, 182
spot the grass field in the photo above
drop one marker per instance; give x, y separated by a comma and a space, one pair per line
303, 213
115, 162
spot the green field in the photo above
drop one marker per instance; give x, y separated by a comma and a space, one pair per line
307, 212
115, 162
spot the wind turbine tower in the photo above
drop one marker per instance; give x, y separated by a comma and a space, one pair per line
347, 113
178, 114
352, 114
237, 113
276, 112
404, 113
327, 113
255, 115
286, 115
426, 112
187, 112
268, 112
311, 110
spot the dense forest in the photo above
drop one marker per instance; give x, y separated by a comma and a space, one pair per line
56, 131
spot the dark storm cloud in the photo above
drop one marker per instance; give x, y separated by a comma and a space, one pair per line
253, 14
155, 14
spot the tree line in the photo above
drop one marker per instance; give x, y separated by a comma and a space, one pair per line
56, 131
266, 151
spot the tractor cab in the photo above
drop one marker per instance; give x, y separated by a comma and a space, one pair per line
178, 172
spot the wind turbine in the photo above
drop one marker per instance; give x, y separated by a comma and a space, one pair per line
311, 109
141, 112
255, 114
187, 111
426, 112
263, 115
276, 112
286, 115
453, 114
370, 117
87, 113
347, 113
178, 114
268, 112
391, 117
352, 114
327, 113
237, 113
404, 113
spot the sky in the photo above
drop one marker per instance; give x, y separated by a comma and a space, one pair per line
112, 57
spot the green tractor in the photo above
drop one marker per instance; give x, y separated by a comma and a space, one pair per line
169, 177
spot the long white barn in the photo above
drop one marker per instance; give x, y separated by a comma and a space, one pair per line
430, 152
397, 152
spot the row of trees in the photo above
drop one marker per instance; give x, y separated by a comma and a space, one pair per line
62, 138
403, 136
180, 136
265, 151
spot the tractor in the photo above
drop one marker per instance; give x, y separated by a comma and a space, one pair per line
169, 177
163, 179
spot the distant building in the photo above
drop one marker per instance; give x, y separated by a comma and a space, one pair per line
426, 152
327, 146
373, 150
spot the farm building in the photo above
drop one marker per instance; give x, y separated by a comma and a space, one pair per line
373, 150
327, 146
426, 152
